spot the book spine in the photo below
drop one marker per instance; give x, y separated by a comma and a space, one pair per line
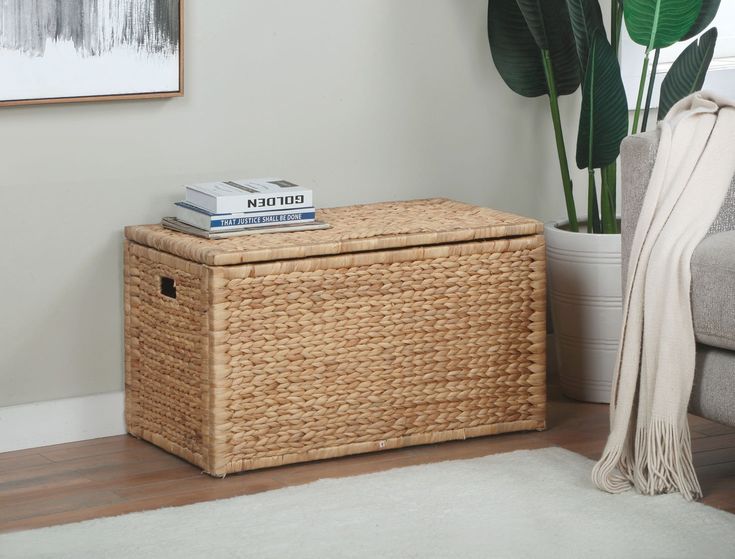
278, 201
186, 207
267, 201
220, 224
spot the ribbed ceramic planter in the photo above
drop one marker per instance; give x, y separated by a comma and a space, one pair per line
586, 306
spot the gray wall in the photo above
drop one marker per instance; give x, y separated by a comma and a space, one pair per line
363, 100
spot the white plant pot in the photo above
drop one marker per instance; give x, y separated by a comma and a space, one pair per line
585, 293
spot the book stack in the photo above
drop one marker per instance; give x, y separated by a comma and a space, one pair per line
217, 210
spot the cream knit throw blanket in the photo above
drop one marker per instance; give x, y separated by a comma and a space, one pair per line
649, 445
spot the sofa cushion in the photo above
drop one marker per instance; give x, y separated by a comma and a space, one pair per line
714, 385
713, 290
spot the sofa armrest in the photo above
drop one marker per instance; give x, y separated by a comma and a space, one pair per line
637, 156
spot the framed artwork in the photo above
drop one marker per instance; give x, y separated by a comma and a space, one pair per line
60, 51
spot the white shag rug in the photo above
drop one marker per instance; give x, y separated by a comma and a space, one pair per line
537, 503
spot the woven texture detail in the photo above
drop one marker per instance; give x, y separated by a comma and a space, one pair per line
269, 363
354, 228
165, 352
334, 357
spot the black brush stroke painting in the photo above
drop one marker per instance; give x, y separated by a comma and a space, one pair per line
94, 26
130, 38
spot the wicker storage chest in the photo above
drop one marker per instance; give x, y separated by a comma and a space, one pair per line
405, 323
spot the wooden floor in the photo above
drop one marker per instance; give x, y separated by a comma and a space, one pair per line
115, 475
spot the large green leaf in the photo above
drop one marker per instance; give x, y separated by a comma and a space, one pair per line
518, 56
534, 14
657, 24
705, 17
586, 17
688, 71
514, 50
551, 27
603, 122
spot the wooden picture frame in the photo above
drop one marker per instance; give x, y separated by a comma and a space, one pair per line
177, 92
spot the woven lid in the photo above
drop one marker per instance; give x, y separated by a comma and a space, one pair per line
354, 229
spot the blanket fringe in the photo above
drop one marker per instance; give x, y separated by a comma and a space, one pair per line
663, 459
661, 463
609, 472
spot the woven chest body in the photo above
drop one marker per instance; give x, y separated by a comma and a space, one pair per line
405, 323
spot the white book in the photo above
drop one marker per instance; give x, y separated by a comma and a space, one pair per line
247, 195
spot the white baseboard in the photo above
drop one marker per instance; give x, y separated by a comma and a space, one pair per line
61, 421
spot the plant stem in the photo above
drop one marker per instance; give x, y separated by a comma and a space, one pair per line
639, 100
607, 194
609, 173
560, 148
613, 192
616, 24
593, 212
649, 95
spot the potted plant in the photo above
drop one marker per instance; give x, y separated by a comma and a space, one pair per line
552, 47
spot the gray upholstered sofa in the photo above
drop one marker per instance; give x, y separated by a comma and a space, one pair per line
713, 284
